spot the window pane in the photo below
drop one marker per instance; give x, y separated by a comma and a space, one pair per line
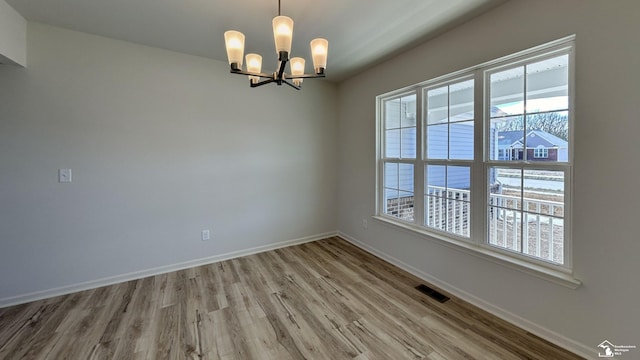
507, 92
392, 143
391, 202
505, 228
406, 177
458, 181
550, 132
461, 101
544, 192
459, 205
543, 197
437, 105
505, 189
461, 141
408, 138
405, 206
436, 212
400, 127
507, 138
437, 141
390, 188
398, 194
458, 217
391, 175
544, 237
548, 85
392, 114
436, 180
535, 210
435, 201
447, 200
408, 111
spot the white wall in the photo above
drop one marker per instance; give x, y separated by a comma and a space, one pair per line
13, 36
606, 197
162, 145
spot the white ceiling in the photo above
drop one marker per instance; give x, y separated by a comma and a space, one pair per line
360, 32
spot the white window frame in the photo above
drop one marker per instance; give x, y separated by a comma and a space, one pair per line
477, 244
425, 161
399, 160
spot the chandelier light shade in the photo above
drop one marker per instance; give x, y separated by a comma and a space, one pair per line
254, 65
234, 40
282, 33
283, 36
319, 50
297, 69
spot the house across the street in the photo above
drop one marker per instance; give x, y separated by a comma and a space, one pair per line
540, 146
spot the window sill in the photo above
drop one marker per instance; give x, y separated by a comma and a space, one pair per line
552, 275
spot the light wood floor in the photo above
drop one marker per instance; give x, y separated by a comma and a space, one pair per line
321, 300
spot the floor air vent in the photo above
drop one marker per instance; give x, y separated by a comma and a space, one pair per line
432, 293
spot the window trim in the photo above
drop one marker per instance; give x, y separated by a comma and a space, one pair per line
477, 244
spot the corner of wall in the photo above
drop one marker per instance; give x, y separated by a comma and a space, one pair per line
13, 36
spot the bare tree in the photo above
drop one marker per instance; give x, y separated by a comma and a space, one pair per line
555, 123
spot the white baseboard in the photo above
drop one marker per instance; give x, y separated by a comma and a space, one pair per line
549, 335
92, 284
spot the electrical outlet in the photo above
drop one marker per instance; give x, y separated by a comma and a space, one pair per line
205, 235
365, 223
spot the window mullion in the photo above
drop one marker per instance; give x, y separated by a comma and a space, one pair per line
525, 117
419, 163
478, 175
381, 153
568, 210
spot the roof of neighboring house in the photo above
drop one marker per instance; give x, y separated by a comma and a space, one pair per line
509, 138
535, 138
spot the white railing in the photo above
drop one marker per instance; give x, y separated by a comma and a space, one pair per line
542, 237
540, 233
449, 210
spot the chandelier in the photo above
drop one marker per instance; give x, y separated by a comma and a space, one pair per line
282, 34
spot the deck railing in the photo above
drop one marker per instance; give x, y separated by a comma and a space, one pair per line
448, 210
530, 226
543, 233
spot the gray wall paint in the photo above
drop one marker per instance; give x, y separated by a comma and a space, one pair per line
162, 145
606, 195
13, 36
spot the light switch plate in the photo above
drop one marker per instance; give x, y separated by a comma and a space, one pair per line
64, 175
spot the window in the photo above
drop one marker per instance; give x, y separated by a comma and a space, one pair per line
529, 104
449, 143
541, 152
399, 156
481, 158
